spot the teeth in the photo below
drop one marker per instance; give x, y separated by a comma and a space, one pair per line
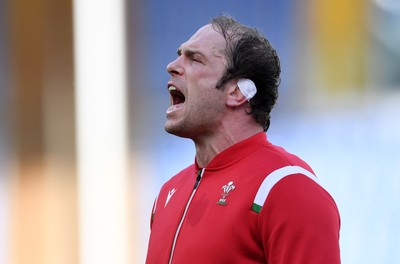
172, 88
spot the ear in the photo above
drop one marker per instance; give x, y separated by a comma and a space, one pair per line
235, 97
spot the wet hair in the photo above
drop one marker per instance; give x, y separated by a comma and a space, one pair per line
250, 55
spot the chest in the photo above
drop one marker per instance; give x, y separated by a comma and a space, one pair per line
215, 217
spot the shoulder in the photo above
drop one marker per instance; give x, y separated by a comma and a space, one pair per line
294, 193
296, 187
180, 181
300, 214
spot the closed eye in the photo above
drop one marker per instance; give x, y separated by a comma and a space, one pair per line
192, 55
196, 60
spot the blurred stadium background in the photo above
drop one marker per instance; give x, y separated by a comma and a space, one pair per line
83, 97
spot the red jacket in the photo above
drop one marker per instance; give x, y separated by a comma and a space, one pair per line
253, 203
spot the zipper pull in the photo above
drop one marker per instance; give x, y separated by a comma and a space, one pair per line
199, 174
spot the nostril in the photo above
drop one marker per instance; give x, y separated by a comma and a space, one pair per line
172, 71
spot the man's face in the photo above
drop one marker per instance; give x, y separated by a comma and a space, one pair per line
196, 105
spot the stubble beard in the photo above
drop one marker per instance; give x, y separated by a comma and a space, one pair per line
182, 129
191, 126
198, 121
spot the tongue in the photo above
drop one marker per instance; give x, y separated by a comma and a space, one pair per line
174, 107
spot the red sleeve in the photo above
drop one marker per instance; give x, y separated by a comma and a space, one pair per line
153, 212
300, 223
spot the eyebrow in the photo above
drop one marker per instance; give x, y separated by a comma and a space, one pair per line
190, 53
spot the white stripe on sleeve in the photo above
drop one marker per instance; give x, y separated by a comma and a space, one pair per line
275, 176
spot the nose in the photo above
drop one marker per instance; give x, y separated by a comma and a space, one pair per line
174, 67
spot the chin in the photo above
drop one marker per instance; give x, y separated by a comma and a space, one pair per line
176, 131
171, 129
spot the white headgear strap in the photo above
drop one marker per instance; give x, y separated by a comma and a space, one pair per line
247, 87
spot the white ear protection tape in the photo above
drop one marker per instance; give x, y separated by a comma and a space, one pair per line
247, 87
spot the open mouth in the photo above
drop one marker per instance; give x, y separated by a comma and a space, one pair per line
177, 97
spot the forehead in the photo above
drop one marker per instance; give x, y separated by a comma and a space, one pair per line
205, 39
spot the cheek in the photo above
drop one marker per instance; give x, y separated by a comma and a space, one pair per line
207, 78
203, 87
210, 102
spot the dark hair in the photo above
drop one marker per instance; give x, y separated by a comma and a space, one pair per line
250, 55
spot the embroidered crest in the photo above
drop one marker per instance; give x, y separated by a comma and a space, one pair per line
227, 189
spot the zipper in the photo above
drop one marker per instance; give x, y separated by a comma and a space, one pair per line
199, 175
196, 185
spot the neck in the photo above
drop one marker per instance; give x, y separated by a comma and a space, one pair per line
207, 147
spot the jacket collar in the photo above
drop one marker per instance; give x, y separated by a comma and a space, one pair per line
237, 152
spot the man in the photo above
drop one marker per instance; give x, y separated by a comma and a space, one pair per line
243, 200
